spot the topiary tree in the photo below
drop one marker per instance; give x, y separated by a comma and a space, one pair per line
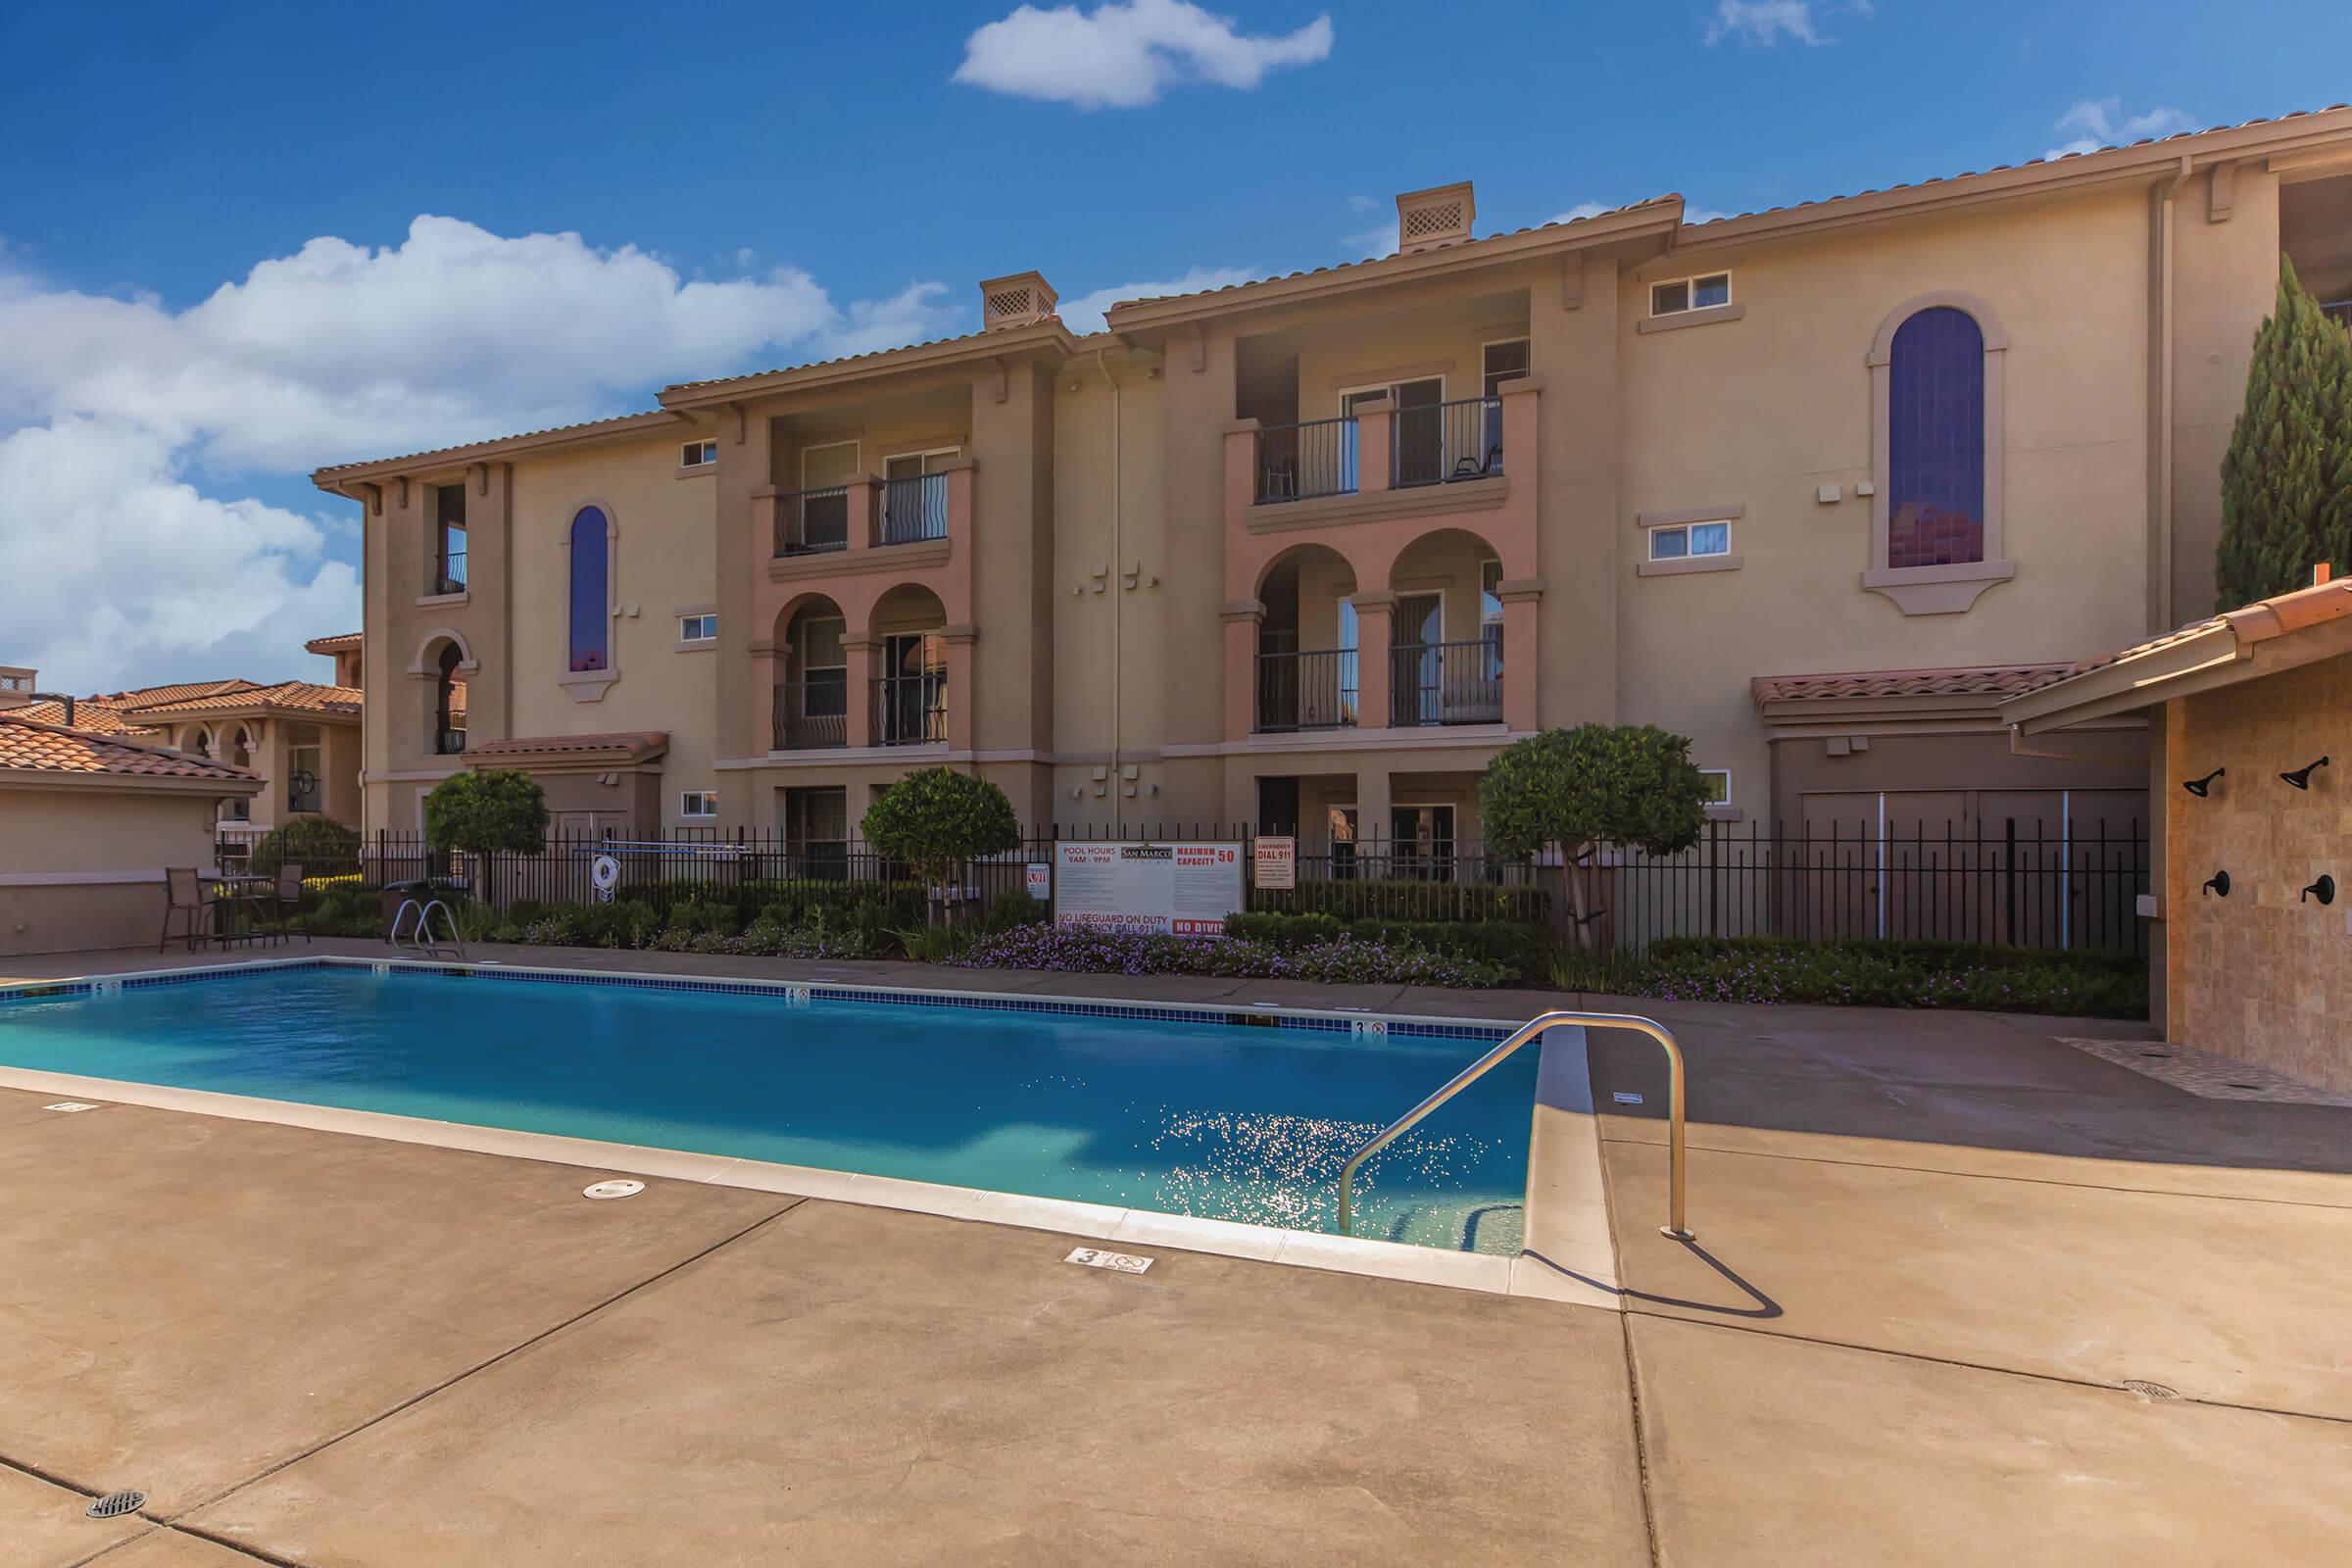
497, 808
320, 847
1581, 788
936, 820
2286, 477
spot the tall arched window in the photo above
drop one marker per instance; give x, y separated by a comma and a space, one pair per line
1936, 441
591, 592
448, 704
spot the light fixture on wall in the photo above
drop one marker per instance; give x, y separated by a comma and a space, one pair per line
2300, 778
2202, 787
2217, 884
2323, 890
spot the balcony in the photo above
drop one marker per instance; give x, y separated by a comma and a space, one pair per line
1445, 683
1307, 691
811, 522
910, 510
811, 714
448, 575
1423, 444
865, 512
910, 709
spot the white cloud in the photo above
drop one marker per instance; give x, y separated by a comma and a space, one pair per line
1579, 210
1124, 53
1370, 244
112, 412
2102, 122
1085, 314
1767, 22
1362, 204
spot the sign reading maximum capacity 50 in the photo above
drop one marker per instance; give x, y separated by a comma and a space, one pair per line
1184, 890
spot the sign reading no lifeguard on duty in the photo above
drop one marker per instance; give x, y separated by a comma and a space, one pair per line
1184, 890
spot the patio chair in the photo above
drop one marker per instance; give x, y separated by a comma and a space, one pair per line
285, 905
185, 891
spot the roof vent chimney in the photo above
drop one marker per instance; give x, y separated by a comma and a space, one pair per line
16, 683
1439, 216
1023, 299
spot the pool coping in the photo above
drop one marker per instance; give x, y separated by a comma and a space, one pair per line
1526, 1274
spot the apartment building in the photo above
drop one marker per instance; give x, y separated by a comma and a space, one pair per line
1819, 487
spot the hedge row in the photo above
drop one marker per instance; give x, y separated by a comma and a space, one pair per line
1393, 899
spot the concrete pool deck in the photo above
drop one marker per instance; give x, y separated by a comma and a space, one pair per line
1932, 1246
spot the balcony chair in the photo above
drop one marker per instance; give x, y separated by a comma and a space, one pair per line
185, 891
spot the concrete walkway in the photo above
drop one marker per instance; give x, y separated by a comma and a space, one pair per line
1933, 1248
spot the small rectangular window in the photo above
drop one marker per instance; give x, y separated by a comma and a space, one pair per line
698, 628
699, 803
697, 454
1681, 294
1715, 786
1690, 539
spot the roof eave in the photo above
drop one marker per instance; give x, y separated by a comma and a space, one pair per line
335, 478
1048, 335
1659, 217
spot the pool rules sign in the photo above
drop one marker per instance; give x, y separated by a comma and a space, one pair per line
1184, 890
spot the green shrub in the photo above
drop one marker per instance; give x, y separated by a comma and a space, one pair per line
1013, 907
313, 842
497, 809
1868, 974
1281, 930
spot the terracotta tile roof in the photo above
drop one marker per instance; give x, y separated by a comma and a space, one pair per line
2029, 163
637, 743
487, 441
150, 695
2258, 621
1987, 680
94, 717
333, 645
27, 747
287, 696
1374, 260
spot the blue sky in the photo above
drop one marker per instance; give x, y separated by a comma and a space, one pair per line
213, 277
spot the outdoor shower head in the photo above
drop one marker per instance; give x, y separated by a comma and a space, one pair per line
2300, 778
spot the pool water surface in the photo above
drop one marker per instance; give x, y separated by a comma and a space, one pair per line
1213, 1119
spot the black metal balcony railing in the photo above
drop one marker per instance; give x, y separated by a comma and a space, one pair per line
812, 713
812, 522
1299, 691
912, 507
448, 572
1298, 461
1445, 683
1433, 443
449, 742
910, 709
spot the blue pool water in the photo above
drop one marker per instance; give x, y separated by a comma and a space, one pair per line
1220, 1120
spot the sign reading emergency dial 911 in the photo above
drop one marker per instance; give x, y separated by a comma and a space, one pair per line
1184, 890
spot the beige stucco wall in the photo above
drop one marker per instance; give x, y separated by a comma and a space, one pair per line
84, 868
2262, 975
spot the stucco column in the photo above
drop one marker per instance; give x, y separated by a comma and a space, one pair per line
1372, 820
1375, 440
963, 700
863, 513
862, 650
763, 526
960, 502
1375, 610
1241, 472
1522, 597
1241, 618
769, 666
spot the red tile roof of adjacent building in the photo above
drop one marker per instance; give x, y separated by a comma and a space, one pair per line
336, 644
96, 717
181, 691
287, 696
1983, 680
33, 748
635, 742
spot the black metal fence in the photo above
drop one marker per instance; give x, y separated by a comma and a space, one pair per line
814, 713
1298, 461
1313, 690
910, 709
813, 521
1445, 683
2029, 883
1437, 442
913, 508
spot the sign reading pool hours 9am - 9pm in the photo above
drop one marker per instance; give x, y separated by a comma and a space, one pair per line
1184, 890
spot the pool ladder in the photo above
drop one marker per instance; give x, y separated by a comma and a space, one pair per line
419, 939
1534, 1029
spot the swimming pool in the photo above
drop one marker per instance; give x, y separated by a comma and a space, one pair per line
1131, 1107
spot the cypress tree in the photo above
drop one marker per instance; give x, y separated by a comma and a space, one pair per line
2286, 478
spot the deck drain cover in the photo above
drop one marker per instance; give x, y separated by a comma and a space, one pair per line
71, 1104
118, 1502
612, 1188
2150, 1391
1095, 1257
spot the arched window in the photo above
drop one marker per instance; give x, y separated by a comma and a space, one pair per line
591, 592
1936, 441
448, 704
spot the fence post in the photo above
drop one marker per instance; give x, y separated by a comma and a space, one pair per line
2009, 882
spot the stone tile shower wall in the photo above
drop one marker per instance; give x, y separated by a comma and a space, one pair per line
2263, 976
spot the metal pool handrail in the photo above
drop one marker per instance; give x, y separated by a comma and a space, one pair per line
1529, 1030
422, 940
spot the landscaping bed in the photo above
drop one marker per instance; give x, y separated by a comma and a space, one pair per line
1868, 974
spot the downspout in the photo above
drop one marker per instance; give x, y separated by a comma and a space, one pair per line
2163, 619
1118, 570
